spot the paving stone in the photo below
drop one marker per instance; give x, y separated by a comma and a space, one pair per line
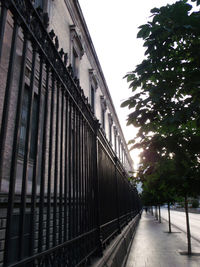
153, 247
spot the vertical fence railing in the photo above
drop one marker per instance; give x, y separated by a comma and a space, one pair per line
64, 194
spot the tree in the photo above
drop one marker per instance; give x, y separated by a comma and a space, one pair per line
157, 181
166, 96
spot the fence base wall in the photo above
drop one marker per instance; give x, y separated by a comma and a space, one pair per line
117, 252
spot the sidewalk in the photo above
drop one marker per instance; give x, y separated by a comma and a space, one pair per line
153, 247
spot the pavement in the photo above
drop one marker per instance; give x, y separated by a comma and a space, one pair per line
153, 246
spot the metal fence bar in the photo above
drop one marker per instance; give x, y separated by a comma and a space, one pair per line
50, 163
43, 163
61, 170
82, 176
70, 173
117, 196
56, 158
74, 173
97, 194
66, 184
14, 151
6, 104
26, 156
36, 165
77, 173
92, 207
4, 9
86, 179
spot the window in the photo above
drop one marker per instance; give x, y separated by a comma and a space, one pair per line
119, 149
23, 126
75, 63
92, 98
103, 118
110, 127
34, 138
93, 88
115, 140
38, 3
43, 6
103, 111
77, 50
110, 133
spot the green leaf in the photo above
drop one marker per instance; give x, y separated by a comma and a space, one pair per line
130, 77
131, 141
144, 32
125, 103
155, 10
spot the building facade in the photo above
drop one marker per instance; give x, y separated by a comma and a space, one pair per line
64, 162
75, 39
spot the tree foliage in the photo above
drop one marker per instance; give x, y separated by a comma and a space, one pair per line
168, 78
165, 103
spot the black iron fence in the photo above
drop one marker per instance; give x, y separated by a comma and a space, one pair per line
64, 194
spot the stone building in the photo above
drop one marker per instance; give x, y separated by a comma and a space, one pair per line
75, 39
64, 160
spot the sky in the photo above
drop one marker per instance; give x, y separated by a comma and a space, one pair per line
113, 26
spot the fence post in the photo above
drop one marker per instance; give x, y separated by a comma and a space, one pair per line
126, 198
117, 196
137, 202
97, 193
8, 89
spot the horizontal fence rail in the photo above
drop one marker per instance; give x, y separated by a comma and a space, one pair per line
64, 194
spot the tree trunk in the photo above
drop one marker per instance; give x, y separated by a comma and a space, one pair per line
169, 217
188, 227
159, 214
152, 210
156, 212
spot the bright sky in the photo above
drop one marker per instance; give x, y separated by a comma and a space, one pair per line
113, 26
